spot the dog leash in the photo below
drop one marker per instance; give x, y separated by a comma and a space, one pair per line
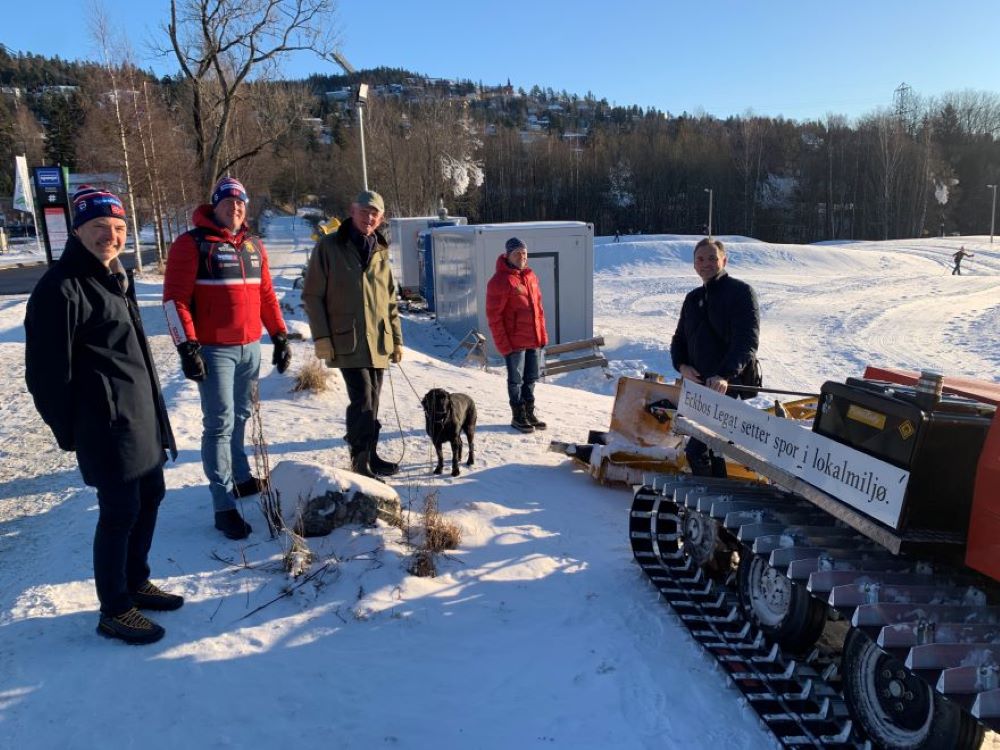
407, 377
395, 410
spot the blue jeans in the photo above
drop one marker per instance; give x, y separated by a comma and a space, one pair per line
226, 405
522, 372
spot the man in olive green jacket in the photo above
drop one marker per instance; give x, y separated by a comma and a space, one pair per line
350, 297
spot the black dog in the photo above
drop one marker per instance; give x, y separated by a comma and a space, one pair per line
447, 415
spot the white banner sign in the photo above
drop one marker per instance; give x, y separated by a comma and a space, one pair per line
22, 186
871, 486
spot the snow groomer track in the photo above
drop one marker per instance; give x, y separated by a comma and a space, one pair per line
804, 573
798, 701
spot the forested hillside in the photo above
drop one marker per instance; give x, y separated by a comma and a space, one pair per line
919, 166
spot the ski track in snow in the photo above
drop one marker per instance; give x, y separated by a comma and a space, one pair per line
539, 631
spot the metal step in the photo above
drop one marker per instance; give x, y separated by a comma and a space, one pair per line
791, 537
907, 634
945, 655
856, 594
881, 614
968, 679
823, 581
749, 532
800, 570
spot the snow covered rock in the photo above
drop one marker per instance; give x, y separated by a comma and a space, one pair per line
317, 499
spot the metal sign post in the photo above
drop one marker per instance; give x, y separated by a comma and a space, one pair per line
52, 216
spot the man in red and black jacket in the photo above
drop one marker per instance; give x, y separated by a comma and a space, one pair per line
216, 293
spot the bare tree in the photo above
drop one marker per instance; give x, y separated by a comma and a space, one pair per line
422, 151
748, 149
888, 140
220, 45
101, 33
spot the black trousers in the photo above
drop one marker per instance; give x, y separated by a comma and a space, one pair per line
364, 385
125, 525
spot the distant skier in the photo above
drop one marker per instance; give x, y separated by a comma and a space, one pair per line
617, 236
958, 258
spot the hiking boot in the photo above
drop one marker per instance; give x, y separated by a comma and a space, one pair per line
520, 419
360, 465
529, 414
382, 468
231, 523
248, 488
131, 626
151, 596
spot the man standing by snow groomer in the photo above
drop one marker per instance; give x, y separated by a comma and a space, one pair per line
350, 297
716, 339
517, 321
89, 369
216, 292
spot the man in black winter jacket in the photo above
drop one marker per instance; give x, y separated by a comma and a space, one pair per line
90, 372
716, 338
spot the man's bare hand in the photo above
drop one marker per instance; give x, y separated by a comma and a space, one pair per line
689, 373
717, 384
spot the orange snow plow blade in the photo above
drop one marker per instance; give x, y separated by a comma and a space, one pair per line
644, 410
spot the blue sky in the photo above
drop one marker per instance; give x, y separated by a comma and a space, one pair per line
797, 58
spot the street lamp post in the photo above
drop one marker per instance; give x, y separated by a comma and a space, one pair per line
362, 101
709, 191
993, 212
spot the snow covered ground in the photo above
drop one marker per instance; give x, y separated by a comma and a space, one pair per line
22, 251
539, 631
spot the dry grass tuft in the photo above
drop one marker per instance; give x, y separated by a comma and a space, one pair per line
422, 564
439, 533
313, 377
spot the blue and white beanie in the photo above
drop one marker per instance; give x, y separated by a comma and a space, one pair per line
91, 203
229, 187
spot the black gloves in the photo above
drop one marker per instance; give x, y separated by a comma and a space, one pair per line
282, 356
191, 361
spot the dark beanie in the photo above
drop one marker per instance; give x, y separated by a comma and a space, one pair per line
514, 244
90, 203
229, 187
83, 190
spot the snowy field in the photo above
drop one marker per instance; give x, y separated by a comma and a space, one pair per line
539, 631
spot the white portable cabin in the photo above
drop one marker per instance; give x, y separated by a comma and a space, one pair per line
561, 253
403, 250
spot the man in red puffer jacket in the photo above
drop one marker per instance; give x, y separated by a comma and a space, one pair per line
216, 292
517, 322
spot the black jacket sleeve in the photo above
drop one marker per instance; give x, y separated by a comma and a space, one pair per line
744, 321
49, 324
679, 354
